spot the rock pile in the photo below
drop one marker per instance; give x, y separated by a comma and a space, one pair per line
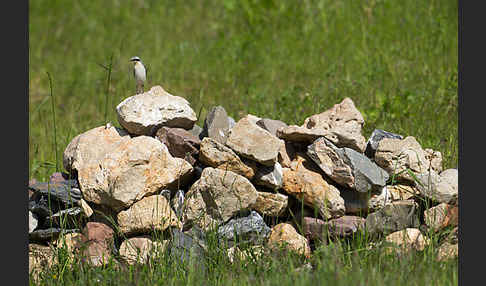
160, 172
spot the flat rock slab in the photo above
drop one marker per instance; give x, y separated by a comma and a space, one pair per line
216, 125
393, 217
217, 155
66, 192
49, 234
251, 228
253, 142
145, 113
67, 218
271, 125
271, 204
347, 167
216, 197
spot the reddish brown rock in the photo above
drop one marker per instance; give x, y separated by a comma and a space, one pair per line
345, 226
97, 243
180, 143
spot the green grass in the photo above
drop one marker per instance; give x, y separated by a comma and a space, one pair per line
287, 60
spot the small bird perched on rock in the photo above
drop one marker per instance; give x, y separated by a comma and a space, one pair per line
139, 73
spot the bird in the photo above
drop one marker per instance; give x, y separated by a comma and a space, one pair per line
139, 73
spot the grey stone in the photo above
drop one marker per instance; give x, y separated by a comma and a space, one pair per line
271, 125
41, 235
66, 192
231, 122
216, 125
196, 130
393, 217
145, 113
186, 248
177, 203
70, 218
270, 176
251, 228
347, 167
375, 138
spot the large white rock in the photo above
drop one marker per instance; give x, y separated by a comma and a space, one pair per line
443, 188
117, 171
144, 113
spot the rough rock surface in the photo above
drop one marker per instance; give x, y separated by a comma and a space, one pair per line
97, 243
442, 188
343, 123
140, 249
270, 204
186, 247
150, 213
270, 176
393, 217
144, 113
345, 226
180, 143
40, 258
447, 251
314, 229
407, 239
217, 155
271, 125
284, 235
375, 138
397, 156
253, 142
128, 171
216, 125
441, 216
308, 185
216, 197
347, 167
250, 228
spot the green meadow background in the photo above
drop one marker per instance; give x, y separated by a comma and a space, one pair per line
287, 60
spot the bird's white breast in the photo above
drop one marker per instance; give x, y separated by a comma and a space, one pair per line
139, 71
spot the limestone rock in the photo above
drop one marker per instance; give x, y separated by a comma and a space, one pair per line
131, 170
270, 176
141, 249
347, 167
393, 217
270, 204
97, 243
40, 258
250, 228
375, 138
284, 235
144, 113
447, 251
294, 133
253, 142
407, 239
216, 125
217, 155
150, 213
180, 143
398, 157
309, 186
441, 216
216, 197
343, 123
441, 188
